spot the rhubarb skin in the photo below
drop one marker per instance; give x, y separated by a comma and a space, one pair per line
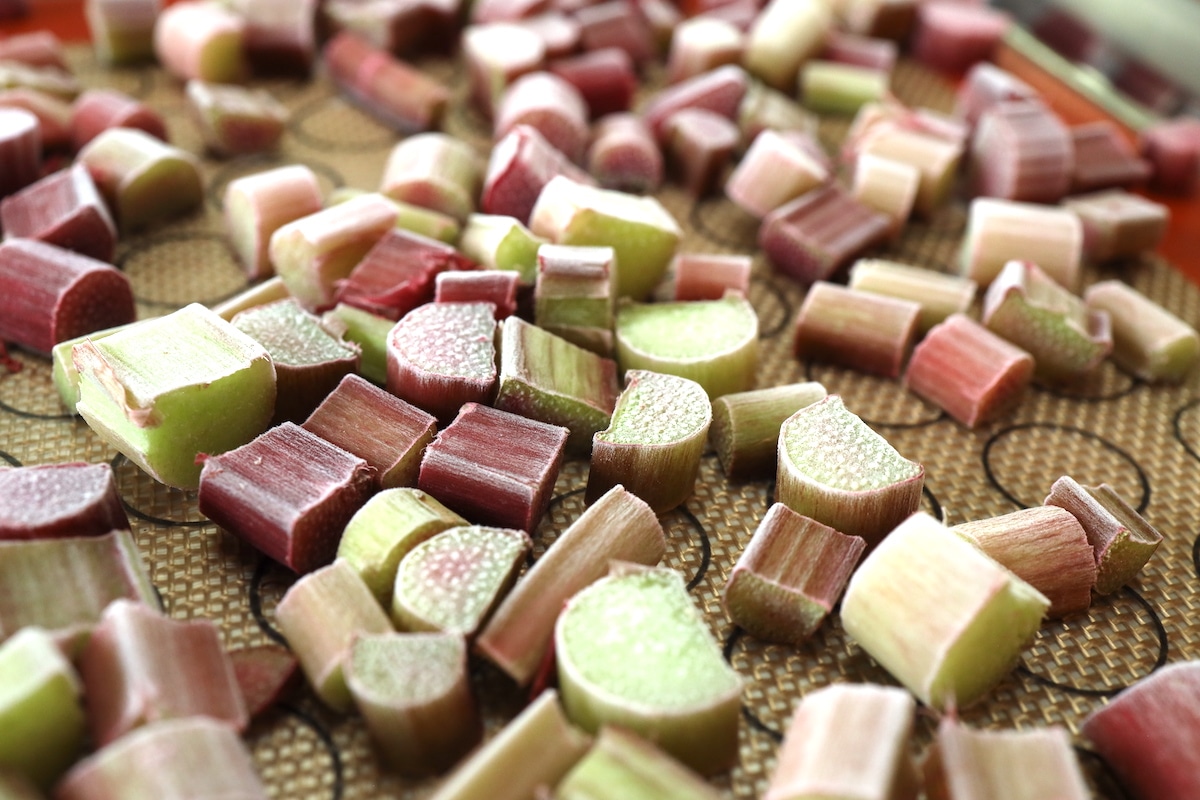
605, 77
1149, 734
623, 154
549, 104
498, 287
20, 148
54, 500
201, 40
97, 110
258, 205
53, 114
368, 331
619, 526
397, 274
623, 766
520, 166
864, 331
435, 171
63, 209
1148, 340
709, 277
790, 575
719, 91
390, 90
264, 673
745, 426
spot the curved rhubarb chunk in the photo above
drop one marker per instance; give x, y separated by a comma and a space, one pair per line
258, 205
1148, 340
63, 209
201, 40
520, 166
54, 500
436, 171
549, 104
499, 242
97, 110
633, 651
745, 426
143, 180
390, 90
624, 766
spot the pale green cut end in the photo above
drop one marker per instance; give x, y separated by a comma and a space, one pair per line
291, 335
657, 409
686, 331
405, 668
368, 331
501, 242
831, 446
66, 377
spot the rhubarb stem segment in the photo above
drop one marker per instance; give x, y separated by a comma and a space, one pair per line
745, 426
869, 332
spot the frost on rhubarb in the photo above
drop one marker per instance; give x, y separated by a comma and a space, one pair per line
623, 766
633, 651
50, 500
712, 342
944, 619
834, 469
745, 426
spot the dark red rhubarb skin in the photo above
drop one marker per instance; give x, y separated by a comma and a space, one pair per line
280, 36
49, 295
63, 209
616, 23
265, 674
37, 49
498, 287
55, 500
494, 468
605, 78
624, 156
398, 274
20, 149
1104, 160
701, 145
97, 110
521, 164
394, 92
720, 91
288, 493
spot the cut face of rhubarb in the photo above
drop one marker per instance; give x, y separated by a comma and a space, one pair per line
624, 766
66, 377
97, 110
436, 171
633, 651
944, 619
53, 500
623, 154
1148, 340
574, 294
368, 331
834, 469
712, 342
201, 40
397, 274
499, 242
775, 170
745, 426
170, 388
235, 120
453, 580
549, 104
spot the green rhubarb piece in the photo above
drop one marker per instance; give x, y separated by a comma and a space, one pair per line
624, 766
833, 88
712, 342
499, 242
546, 378
642, 232
414, 692
634, 651
66, 377
452, 581
833, 468
654, 442
944, 619
1148, 340
42, 723
386, 529
745, 426
574, 297
409, 217
165, 390
368, 331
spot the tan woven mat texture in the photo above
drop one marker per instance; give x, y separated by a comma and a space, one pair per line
1144, 440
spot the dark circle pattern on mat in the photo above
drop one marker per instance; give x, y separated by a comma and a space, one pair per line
1082, 633
362, 133
11, 459
778, 319
1095, 461
165, 270
738, 232
261, 162
256, 604
1182, 432
35, 384
751, 718
33, 414
325, 738
1196, 556
880, 402
1107, 382
705, 547
126, 472
932, 504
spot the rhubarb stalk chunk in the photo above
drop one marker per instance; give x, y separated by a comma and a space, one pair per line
623, 766
258, 205
143, 181
235, 120
701, 44
951, 639
122, 31
886, 185
478, 286
1118, 224
818, 233
63, 209
55, 500
709, 277
201, 40
837, 471
775, 170
700, 143
391, 90
551, 106
397, 274
1148, 340
783, 36
848, 740
20, 149
938, 294
97, 110
499, 242
865, 331
495, 56
574, 295
624, 155
520, 166
1021, 151
745, 426
435, 171
1148, 734
999, 231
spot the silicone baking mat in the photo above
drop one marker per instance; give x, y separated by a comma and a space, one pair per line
1142, 439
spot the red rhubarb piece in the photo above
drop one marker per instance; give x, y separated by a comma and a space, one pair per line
52, 500
498, 287
521, 164
1104, 159
97, 110
397, 274
624, 156
951, 36
20, 149
53, 115
984, 86
280, 36
860, 51
263, 673
391, 90
818, 233
720, 91
552, 106
604, 78
1021, 151
1173, 149
36, 49
700, 144
616, 23
704, 276
63, 209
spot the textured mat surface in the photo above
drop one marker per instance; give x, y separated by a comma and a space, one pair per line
1144, 440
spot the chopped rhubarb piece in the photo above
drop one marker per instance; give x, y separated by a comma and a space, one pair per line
785, 35
831, 87
547, 378
708, 277
288, 493
969, 372
49, 295
258, 205
410, 217
368, 331
834, 469
1026, 307
234, 120
700, 144
1173, 149
397, 274
951, 36
789, 577
653, 445
161, 391
818, 233
500, 242
1147, 735
622, 645
863, 51
434, 171
619, 526
1021, 151
62, 209
201, 40
390, 90
764, 108
1104, 159
320, 615
37, 49
640, 230
171, 760
386, 529
496, 55
309, 359
720, 91
48, 80
701, 44
259, 294
98, 569
535, 750
605, 79
143, 180
1046, 547
313, 252
53, 115
506, 487
414, 692
97, 110
55, 500
441, 355
395, 27
20, 150
1117, 224
624, 155
549, 105
122, 31
938, 294
986, 85
869, 332
887, 185
558, 31
1148, 340
42, 723
485, 11
453, 580
263, 674
141, 667
847, 740
999, 231
280, 35
614, 23
520, 165
888, 19
624, 766
1017, 765
776, 169
934, 157
745, 426
1121, 538
573, 297
496, 287
949, 640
